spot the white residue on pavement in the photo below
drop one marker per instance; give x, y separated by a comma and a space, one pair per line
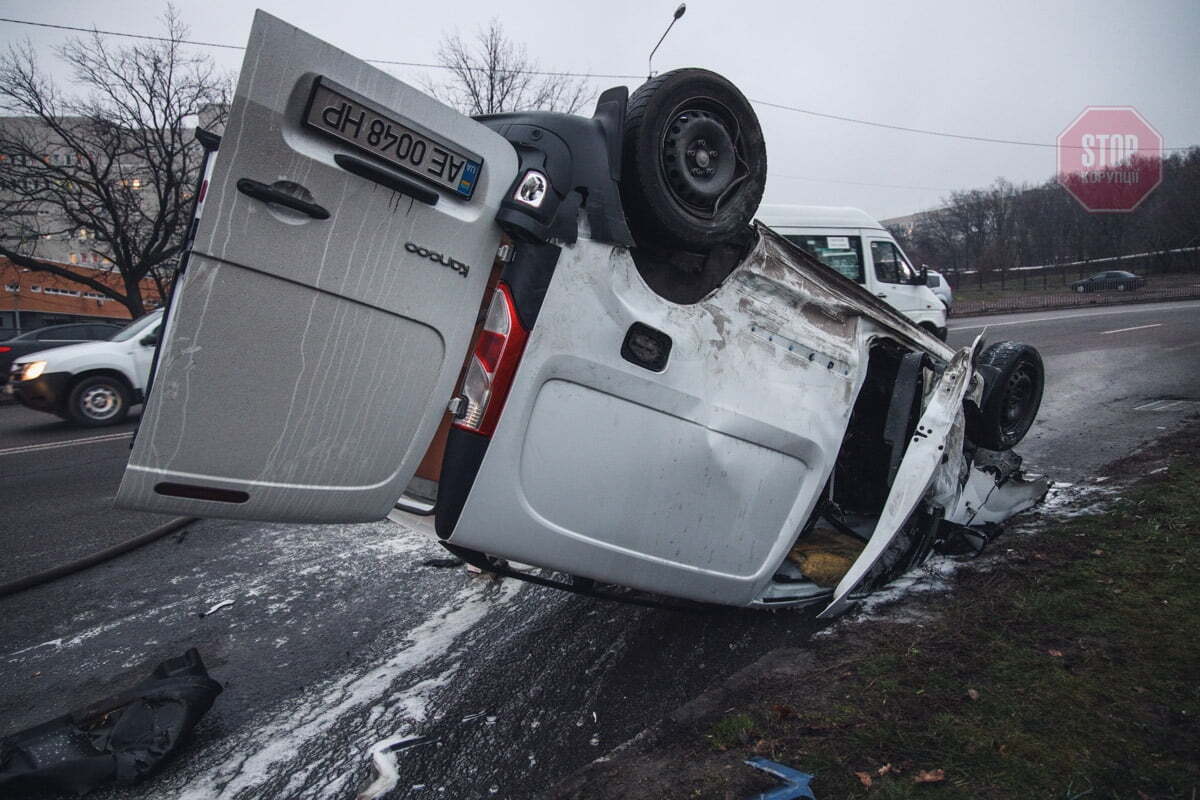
278, 742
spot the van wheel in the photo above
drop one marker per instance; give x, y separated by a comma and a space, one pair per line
1011, 403
935, 331
98, 401
694, 162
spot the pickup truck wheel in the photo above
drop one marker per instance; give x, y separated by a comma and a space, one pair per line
98, 401
694, 162
1011, 404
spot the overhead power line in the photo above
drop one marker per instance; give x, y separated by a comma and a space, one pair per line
904, 128
391, 62
119, 33
925, 131
860, 183
556, 73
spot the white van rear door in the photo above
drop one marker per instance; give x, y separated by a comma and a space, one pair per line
329, 300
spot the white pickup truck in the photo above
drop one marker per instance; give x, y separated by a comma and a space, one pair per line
643, 388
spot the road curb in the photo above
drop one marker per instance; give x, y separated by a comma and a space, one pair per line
785, 665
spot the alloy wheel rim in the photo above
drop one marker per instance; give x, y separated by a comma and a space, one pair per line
100, 402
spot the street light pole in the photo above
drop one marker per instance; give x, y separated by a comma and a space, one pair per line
650, 61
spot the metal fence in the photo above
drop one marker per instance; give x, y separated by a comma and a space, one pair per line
1060, 299
1168, 275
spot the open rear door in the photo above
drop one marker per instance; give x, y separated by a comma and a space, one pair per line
330, 296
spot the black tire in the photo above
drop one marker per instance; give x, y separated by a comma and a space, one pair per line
935, 331
98, 401
694, 162
1120, 287
1010, 404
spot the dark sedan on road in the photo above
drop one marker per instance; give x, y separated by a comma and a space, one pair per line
52, 336
1104, 281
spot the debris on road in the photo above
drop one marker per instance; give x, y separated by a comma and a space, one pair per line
796, 783
121, 738
442, 563
383, 759
216, 608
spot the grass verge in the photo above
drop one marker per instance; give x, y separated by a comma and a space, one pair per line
1069, 670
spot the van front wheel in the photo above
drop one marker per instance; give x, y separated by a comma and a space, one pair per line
1011, 403
98, 401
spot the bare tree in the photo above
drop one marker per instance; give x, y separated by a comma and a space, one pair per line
114, 166
491, 74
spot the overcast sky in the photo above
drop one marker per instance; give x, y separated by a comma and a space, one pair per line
1012, 70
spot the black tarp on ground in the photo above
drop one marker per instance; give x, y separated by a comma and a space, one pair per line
121, 738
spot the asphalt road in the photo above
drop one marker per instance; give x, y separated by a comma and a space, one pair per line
58, 482
340, 637
1114, 378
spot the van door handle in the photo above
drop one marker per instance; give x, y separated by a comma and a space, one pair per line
386, 177
881, 295
269, 194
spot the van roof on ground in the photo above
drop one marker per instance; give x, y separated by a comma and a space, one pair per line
789, 216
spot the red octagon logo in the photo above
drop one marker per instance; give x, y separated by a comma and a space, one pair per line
1110, 158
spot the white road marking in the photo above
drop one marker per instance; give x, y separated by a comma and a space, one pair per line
1135, 328
34, 448
1141, 309
1164, 405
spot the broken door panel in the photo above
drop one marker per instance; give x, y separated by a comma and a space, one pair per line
918, 468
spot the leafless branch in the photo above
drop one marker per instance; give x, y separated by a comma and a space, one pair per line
492, 74
117, 162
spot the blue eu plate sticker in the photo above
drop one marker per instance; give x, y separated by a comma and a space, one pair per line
470, 172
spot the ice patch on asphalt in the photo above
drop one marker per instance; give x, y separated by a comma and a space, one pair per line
278, 742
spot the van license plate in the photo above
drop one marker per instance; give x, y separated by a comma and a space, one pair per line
399, 143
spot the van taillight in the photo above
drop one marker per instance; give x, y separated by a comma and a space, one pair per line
493, 364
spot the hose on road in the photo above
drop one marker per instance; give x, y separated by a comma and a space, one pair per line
62, 570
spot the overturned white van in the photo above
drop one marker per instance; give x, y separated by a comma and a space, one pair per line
644, 388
